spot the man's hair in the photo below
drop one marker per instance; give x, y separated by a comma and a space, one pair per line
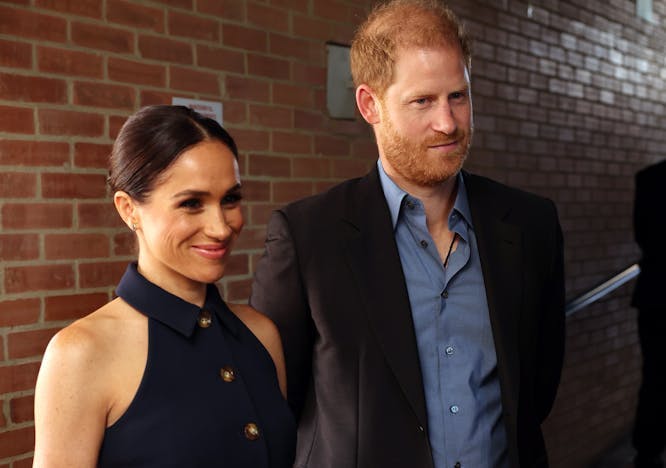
396, 24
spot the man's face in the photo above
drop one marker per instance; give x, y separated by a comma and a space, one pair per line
425, 125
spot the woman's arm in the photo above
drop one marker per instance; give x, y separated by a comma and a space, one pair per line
70, 400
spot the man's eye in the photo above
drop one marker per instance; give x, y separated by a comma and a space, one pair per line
191, 203
421, 101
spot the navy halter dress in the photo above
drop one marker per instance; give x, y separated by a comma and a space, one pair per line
209, 396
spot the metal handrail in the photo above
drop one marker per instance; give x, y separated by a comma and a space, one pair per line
602, 289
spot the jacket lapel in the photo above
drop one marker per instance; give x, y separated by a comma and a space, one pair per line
500, 250
374, 260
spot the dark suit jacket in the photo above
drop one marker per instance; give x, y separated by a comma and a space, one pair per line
650, 232
331, 279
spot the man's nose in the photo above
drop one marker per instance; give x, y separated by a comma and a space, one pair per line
445, 121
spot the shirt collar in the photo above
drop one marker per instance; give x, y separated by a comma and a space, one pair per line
395, 195
171, 310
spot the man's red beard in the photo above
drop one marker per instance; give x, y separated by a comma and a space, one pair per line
417, 164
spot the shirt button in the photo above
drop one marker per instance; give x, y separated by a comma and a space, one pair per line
454, 409
204, 319
457, 465
449, 350
445, 294
424, 244
251, 431
228, 374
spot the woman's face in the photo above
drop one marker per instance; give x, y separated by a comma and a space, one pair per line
191, 219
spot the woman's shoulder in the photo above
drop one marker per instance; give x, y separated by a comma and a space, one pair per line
259, 324
88, 342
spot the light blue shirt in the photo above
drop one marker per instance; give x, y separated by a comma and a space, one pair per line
453, 334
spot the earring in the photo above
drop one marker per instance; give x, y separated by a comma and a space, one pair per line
133, 227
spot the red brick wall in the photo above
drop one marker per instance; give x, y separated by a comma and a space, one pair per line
569, 103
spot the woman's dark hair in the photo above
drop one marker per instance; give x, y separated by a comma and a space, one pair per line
151, 140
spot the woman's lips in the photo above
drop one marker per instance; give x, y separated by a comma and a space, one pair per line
211, 251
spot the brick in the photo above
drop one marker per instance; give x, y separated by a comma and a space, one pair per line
312, 28
15, 54
36, 215
297, 5
219, 58
73, 246
238, 290
141, 73
62, 122
194, 80
19, 312
38, 278
331, 146
103, 274
256, 190
21, 409
32, 89
193, 27
73, 185
247, 89
251, 239
225, 9
29, 343
16, 441
332, 10
308, 74
150, 98
69, 62
33, 153
238, 264
268, 18
3, 420
135, 16
17, 185
185, 4
312, 168
235, 112
251, 140
91, 155
285, 192
98, 215
30, 25
103, 95
244, 38
90, 8
349, 168
96, 36
306, 120
124, 243
116, 122
23, 463
292, 143
261, 213
298, 48
270, 116
166, 50
19, 247
72, 307
260, 165
292, 95
270, 67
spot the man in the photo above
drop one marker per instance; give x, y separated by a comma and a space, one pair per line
421, 307
649, 436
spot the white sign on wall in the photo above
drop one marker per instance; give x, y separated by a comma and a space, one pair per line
209, 109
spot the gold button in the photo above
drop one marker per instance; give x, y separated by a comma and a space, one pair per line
251, 431
228, 374
205, 319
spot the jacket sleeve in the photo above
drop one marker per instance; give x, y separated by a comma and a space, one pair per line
552, 326
278, 292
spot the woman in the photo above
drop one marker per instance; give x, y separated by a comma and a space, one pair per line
167, 374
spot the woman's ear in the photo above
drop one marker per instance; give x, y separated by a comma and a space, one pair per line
368, 104
126, 207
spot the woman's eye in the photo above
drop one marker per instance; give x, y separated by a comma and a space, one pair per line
190, 203
232, 198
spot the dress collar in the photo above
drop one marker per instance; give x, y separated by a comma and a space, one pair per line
169, 309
